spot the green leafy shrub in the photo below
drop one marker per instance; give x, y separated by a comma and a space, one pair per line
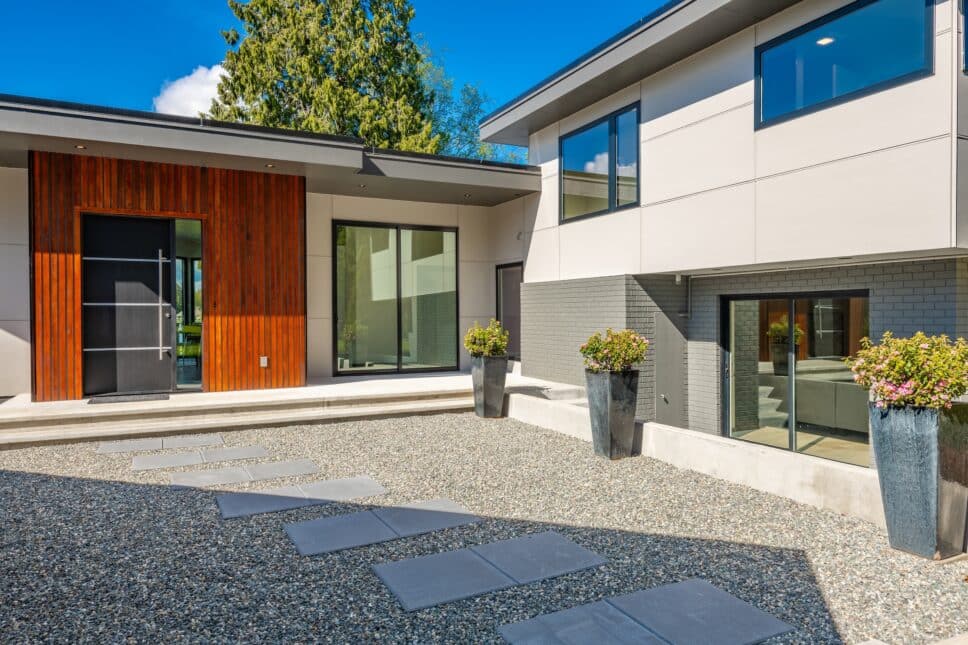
487, 341
921, 371
616, 351
779, 331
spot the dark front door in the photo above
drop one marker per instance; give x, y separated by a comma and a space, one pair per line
128, 326
509, 278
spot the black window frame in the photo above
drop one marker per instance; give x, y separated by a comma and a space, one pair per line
612, 119
926, 71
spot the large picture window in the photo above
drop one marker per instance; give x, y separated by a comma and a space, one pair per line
867, 46
600, 166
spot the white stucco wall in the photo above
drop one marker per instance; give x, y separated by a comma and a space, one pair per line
14, 283
715, 192
487, 236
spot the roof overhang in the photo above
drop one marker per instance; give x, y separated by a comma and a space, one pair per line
331, 163
671, 33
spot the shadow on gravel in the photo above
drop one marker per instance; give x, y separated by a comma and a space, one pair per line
84, 559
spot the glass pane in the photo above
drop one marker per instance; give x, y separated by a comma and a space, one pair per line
188, 302
366, 298
832, 417
627, 163
759, 372
874, 44
428, 305
585, 164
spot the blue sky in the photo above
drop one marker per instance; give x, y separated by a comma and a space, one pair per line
122, 53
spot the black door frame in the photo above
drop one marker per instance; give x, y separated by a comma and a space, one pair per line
726, 353
399, 228
497, 295
173, 335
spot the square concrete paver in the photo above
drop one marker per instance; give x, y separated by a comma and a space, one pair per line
697, 613
130, 445
328, 534
154, 462
340, 490
597, 623
274, 469
291, 497
192, 441
212, 455
213, 477
443, 577
539, 556
261, 501
424, 517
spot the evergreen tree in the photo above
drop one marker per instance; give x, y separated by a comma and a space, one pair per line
348, 67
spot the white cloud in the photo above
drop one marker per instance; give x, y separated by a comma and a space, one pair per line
600, 166
192, 94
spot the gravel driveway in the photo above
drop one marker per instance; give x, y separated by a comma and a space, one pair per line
91, 551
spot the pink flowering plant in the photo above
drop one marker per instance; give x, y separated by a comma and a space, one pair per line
616, 351
921, 371
487, 341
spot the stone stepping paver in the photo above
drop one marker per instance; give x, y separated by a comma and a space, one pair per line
159, 443
214, 455
329, 534
290, 497
432, 580
692, 612
243, 474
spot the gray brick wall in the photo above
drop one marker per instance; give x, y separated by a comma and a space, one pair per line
905, 297
557, 317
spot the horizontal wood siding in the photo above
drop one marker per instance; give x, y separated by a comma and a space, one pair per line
253, 272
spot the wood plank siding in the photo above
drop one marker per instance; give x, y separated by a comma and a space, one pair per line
253, 259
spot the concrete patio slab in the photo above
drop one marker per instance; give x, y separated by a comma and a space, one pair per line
697, 613
329, 534
291, 497
192, 441
425, 517
597, 622
539, 556
234, 453
274, 469
130, 445
154, 462
431, 580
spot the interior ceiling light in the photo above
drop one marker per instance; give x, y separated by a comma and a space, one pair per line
826, 40
81, 147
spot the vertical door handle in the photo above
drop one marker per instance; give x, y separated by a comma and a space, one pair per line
161, 306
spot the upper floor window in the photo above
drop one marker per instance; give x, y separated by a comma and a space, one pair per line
867, 46
600, 166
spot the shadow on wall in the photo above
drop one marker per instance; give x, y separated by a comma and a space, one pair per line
89, 559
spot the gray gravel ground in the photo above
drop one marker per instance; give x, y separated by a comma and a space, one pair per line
91, 551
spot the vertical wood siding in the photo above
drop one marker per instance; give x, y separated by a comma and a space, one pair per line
253, 265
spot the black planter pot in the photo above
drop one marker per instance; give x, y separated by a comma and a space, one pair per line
611, 404
488, 373
922, 465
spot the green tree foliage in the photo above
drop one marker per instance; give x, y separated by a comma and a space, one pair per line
348, 67
455, 115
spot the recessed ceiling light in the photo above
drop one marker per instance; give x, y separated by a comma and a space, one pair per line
467, 195
80, 147
362, 185
270, 165
826, 40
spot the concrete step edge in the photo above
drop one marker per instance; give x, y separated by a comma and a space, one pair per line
228, 422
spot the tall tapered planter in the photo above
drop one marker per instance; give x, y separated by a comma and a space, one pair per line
488, 375
922, 463
611, 403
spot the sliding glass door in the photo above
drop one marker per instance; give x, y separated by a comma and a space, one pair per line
395, 298
788, 386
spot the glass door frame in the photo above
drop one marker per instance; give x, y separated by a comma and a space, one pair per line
725, 309
399, 228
